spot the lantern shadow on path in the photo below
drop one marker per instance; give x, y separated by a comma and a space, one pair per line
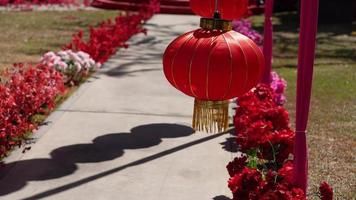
64, 160
117, 169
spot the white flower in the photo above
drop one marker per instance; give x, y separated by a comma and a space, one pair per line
64, 55
83, 55
70, 63
78, 66
63, 65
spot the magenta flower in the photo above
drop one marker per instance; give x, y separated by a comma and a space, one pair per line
279, 86
244, 27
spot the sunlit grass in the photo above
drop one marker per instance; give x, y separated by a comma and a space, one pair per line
25, 36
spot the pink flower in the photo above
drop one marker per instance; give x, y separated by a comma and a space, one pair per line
244, 27
279, 86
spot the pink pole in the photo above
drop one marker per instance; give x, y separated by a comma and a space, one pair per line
307, 42
268, 41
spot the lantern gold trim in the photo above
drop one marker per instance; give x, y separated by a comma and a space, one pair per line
215, 24
211, 116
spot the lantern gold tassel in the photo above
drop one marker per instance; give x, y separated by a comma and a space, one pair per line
211, 116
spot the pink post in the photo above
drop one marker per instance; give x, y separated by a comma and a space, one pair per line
307, 40
268, 41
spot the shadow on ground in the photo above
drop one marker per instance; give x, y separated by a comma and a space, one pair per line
64, 160
221, 197
230, 143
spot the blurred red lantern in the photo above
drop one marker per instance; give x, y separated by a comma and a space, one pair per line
213, 65
229, 9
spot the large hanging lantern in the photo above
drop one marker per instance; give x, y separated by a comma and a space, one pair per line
229, 9
213, 64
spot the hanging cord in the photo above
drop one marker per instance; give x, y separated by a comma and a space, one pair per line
217, 14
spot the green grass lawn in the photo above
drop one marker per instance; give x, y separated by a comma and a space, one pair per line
25, 36
332, 124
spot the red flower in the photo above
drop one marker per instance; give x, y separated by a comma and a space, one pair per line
286, 172
326, 192
279, 190
244, 185
282, 143
236, 166
279, 117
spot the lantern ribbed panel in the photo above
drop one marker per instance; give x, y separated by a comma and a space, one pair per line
213, 65
229, 9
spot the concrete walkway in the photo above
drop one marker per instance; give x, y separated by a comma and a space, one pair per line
125, 135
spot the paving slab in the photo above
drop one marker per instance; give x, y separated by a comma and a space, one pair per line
124, 135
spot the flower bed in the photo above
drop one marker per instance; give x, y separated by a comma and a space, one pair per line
110, 35
26, 91
105, 39
264, 136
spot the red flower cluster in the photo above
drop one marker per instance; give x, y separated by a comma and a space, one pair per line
254, 184
263, 125
24, 92
264, 135
279, 185
111, 35
246, 184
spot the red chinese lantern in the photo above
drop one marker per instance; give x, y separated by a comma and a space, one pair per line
213, 64
229, 9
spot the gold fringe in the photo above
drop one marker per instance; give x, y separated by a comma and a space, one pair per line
211, 116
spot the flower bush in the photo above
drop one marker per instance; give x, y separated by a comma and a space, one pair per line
256, 184
262, 125
73, 65
244, 27
110, 35
105, 39
24, 92
264, 136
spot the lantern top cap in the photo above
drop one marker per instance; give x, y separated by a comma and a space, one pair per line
215, 24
